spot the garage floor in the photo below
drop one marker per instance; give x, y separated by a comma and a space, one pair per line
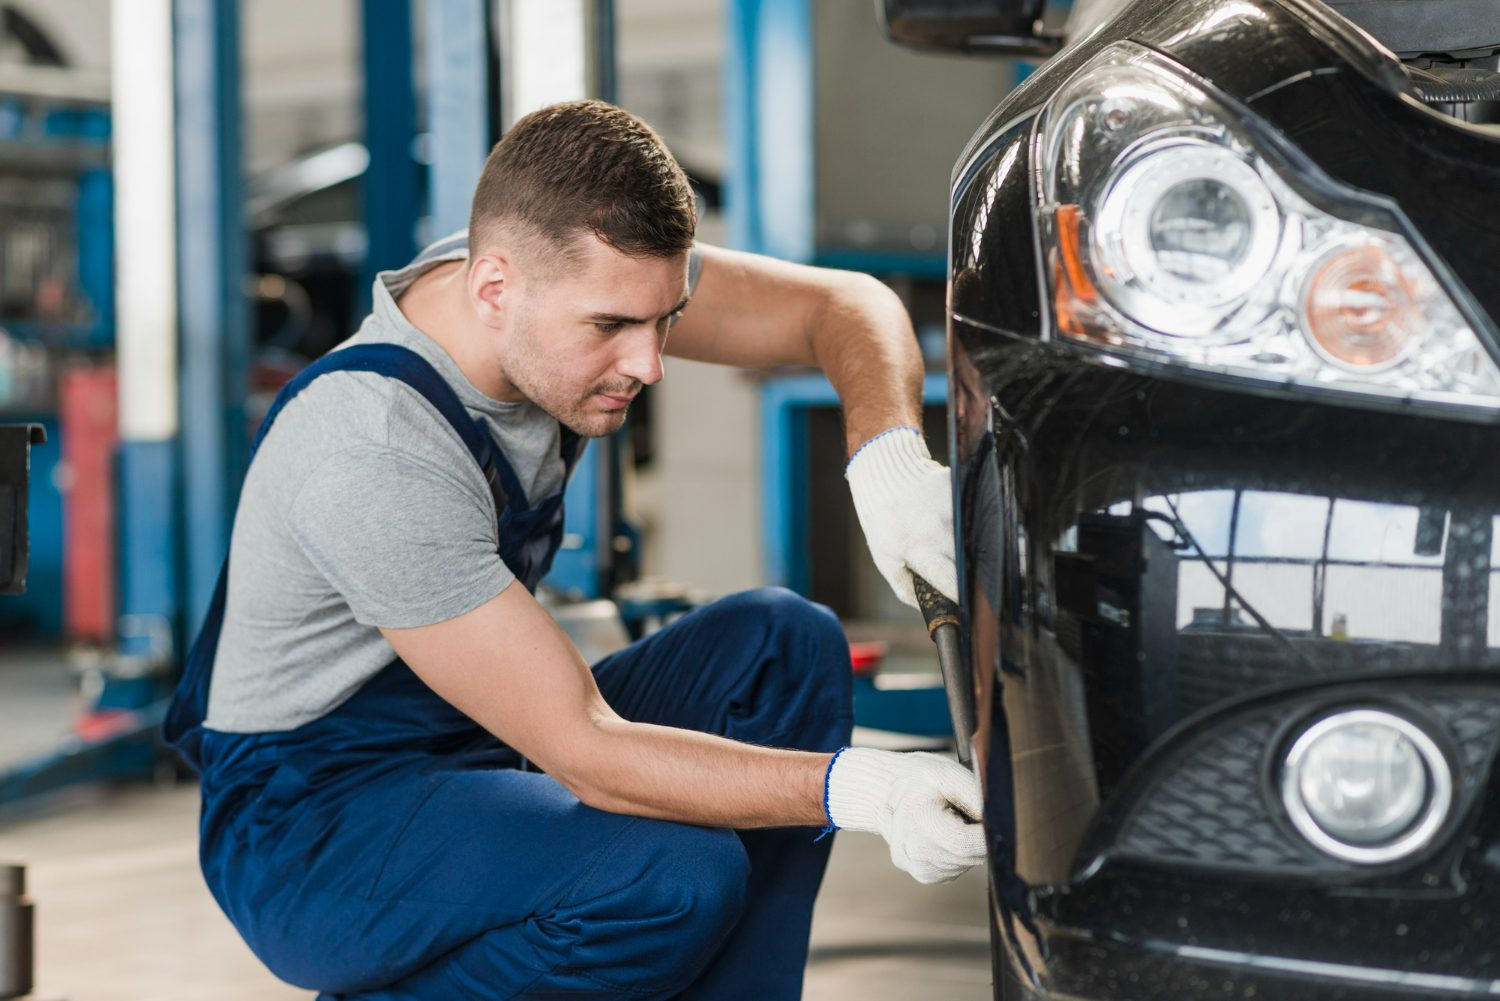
123, 916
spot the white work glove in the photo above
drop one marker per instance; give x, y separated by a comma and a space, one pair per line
905, 505
927, 807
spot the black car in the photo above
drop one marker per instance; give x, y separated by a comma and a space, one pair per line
1225, 404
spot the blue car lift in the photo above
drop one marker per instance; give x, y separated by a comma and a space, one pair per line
179, 475
179, 478
182, 398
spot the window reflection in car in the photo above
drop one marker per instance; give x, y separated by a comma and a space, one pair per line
1322, 578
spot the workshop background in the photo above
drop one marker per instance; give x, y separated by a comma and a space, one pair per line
194, 198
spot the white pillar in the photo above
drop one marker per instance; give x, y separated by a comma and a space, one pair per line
458, 114
545, 54
145, 218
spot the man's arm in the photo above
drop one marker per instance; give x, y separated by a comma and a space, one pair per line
758, 312
534, 691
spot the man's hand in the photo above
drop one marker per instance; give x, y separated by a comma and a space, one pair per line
905, 505
927, 808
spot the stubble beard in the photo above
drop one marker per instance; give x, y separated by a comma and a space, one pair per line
581, 416
595, 425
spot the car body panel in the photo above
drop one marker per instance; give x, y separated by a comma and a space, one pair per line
1132, 710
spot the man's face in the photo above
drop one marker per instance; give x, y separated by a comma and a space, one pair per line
582, 343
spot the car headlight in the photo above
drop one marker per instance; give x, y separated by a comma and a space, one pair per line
1367, 786
1178, 229
1185, 229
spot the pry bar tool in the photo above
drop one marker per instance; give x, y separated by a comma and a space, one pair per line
942, 625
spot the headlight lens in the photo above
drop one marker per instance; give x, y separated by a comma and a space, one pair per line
1200, 231
1178, 229
1366, 786
1184, 229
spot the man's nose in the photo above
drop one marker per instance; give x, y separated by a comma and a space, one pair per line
641, 359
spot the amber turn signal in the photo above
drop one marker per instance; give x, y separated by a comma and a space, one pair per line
1361, 309
1076, 298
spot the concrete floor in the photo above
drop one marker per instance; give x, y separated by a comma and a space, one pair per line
122, 914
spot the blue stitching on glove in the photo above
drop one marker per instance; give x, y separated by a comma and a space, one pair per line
900, 427
827, 812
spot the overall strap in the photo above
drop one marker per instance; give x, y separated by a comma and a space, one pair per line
404, 364
509, 485
568, 449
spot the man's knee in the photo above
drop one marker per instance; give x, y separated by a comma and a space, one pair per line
655, 910
803, 626
810, 649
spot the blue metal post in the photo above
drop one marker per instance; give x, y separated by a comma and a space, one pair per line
392, 181
215, 349
96, 254
784, 405
458, 112
783, 480
769, 115
150, 584
576, 568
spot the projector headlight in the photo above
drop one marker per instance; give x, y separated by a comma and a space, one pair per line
1366, 786
1184, 230
1178, 229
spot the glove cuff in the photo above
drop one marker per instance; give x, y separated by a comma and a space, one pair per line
892, 456
858, 787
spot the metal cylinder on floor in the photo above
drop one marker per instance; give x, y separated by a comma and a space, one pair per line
16, 939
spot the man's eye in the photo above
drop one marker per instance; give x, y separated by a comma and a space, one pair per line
608, 328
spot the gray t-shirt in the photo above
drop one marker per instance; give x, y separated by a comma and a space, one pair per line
363, 509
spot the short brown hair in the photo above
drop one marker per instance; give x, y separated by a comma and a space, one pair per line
584, 166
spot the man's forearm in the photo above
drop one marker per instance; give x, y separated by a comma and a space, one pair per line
863, 341
696, 778
927, 807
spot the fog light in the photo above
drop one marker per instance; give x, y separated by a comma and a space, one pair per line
1366, 786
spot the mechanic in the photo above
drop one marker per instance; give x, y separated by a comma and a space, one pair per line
413, 785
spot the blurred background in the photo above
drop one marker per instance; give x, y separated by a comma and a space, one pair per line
194, 199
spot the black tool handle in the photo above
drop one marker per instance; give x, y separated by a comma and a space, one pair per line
937, 610
941, 615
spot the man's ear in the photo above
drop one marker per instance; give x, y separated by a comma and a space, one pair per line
491, 276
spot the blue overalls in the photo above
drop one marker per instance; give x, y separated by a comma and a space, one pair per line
394, 850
